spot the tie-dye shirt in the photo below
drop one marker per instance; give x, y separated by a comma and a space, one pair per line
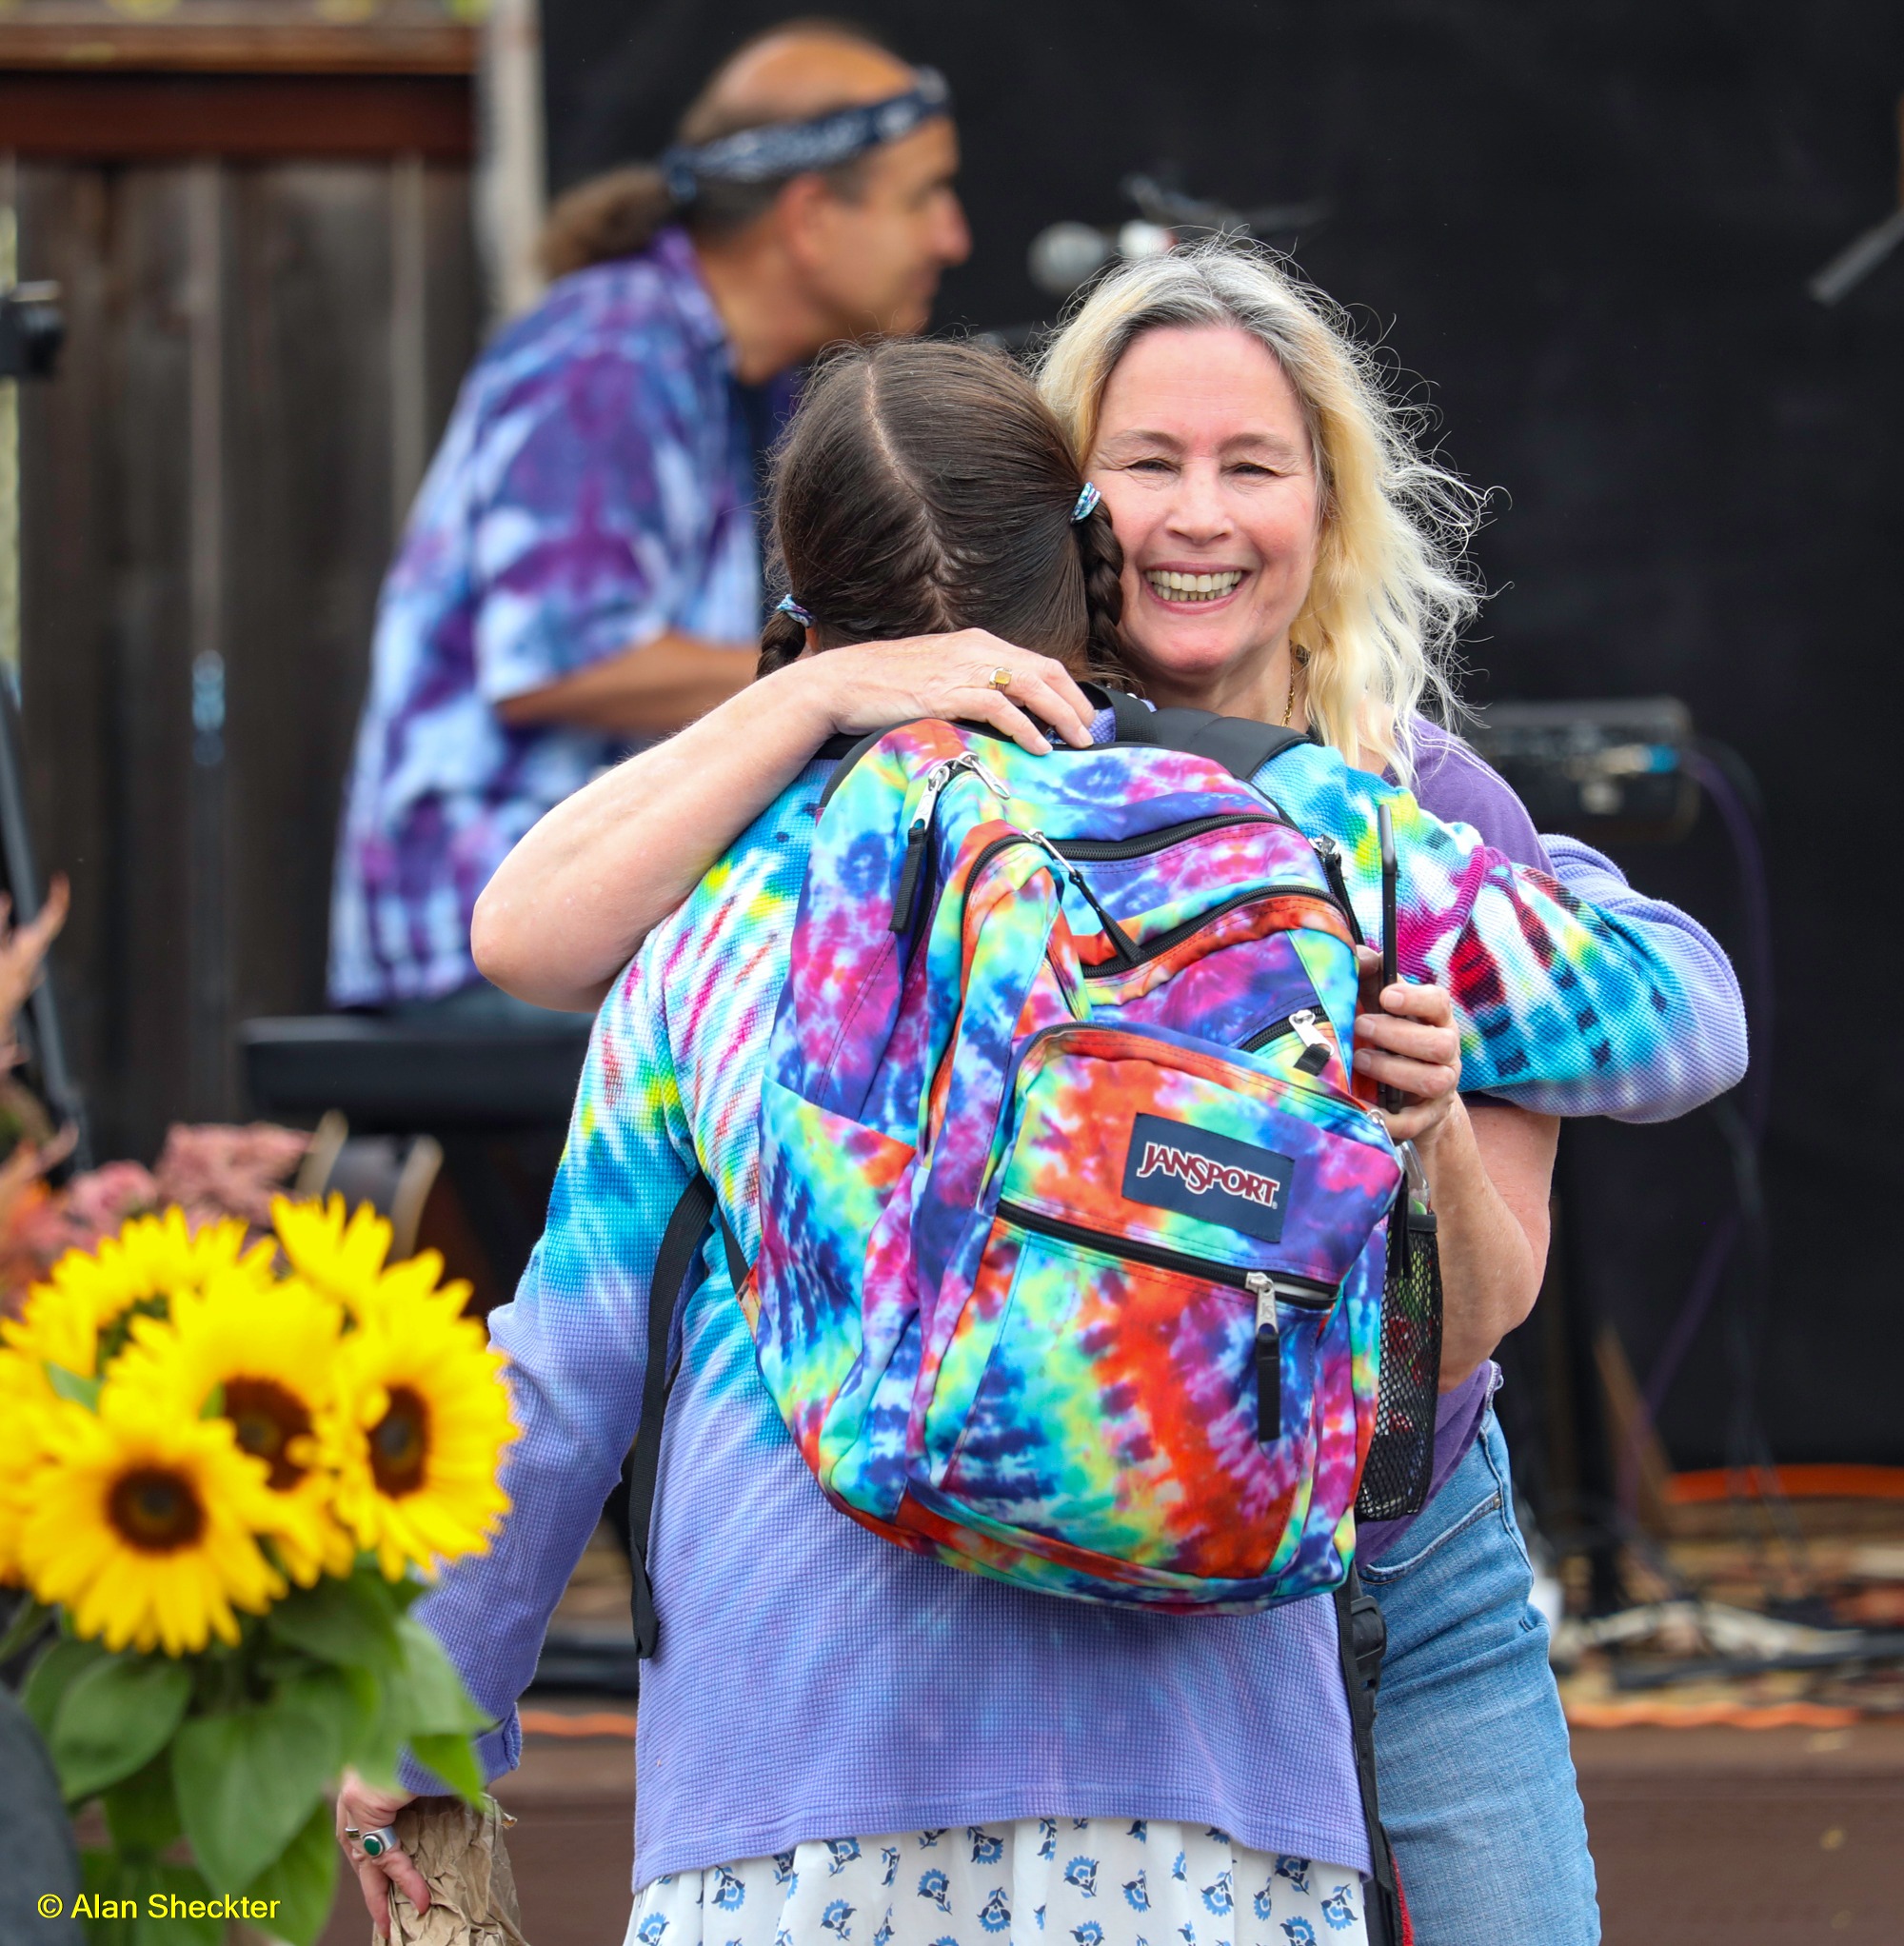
595, 490
812, 1680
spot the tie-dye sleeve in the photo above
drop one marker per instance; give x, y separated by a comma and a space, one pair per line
1573, 998
586, 500
1716, 1052
576, 1336
1578, 998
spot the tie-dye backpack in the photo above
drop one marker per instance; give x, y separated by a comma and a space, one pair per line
1071, 1253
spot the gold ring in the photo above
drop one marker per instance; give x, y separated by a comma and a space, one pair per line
1001, 678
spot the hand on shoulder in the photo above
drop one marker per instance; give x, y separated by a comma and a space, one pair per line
872, 685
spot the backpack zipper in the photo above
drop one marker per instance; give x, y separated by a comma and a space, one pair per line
1306, 1293
1303, 1024
1269, 1289
905, 901
1109, 850
1122, 943
1163, 942
1331, 854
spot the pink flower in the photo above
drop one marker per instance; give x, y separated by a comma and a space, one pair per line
213, 1170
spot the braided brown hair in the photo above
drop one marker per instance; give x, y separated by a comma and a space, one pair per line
925, 487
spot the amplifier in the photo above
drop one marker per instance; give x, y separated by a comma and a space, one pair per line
1615, 770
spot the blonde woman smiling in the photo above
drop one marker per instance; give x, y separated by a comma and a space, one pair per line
1290, 554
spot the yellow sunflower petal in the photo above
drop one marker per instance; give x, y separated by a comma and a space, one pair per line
421, 1425
150, 1263
145, 1525
340, 1258
268, 1354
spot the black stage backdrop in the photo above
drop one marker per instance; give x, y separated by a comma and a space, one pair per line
1584, 231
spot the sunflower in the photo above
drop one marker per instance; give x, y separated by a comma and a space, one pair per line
75, 1318
344, 1259
143, 1526
24, 1397
423, 1420
270, 1356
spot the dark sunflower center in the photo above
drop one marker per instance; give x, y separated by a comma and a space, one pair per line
156, 1510
400, 1443
266, 1419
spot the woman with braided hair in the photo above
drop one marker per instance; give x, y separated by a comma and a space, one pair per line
1265, 496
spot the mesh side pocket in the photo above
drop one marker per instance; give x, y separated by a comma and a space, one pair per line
1401, 1457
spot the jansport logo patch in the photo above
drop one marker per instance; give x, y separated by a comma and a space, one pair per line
1174, 1165
1198, 1174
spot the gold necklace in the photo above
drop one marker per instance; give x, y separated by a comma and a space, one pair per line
1298, 661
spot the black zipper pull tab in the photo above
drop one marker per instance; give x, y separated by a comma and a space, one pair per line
1268, 1359
1331, 854
1315, 1054
1122, 943
912, 872
910, 875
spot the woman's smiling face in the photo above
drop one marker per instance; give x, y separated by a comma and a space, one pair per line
1205, 463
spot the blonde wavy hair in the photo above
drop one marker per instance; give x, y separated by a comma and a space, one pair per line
1392, 588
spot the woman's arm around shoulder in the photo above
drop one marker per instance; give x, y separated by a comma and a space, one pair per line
570, 905
1717, 1052
1456, 784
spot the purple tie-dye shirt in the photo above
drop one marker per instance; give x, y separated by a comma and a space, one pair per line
595, 490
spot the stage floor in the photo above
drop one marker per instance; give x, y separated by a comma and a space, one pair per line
1703, 1837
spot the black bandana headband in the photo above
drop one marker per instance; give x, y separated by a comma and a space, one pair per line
790, 148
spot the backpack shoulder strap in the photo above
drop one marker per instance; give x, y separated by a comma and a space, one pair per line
1364, 1636
674, 1266
1239, 743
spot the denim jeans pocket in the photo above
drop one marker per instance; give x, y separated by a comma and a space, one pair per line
1479, 1487
1435, 1526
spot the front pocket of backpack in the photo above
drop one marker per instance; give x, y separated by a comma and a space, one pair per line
1154, 1140
1117, 1410
834, 1271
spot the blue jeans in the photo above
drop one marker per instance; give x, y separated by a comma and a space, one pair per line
1478, 1787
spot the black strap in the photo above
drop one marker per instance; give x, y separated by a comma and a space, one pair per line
1364, 1634
674, 1264
1239, 743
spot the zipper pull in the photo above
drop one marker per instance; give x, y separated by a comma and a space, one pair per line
1331, 854
1262, 1286
1315, 1054
906, 898
1122, 943
985, 777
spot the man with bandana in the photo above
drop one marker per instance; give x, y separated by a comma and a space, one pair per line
582, 571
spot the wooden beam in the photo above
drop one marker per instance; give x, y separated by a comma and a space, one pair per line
113, 117
232, 41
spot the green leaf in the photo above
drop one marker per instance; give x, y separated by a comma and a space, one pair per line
341, 1621
303, 1880
453, 1758
247, 1780
349, 1700
185, 1883
114, 1716
434, 1700
108, 1875
71, 1385
53, 1676
142, 1812
379, 1742
145, 1882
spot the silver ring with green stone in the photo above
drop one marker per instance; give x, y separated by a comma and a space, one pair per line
374, 1843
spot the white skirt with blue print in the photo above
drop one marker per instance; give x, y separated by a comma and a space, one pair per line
1065, 1882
